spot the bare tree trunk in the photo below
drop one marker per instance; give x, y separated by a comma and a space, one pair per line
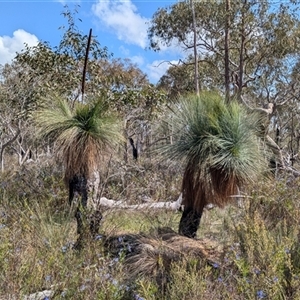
5, 145
292, 139
241, 62
226, 46
196, 74
125, 130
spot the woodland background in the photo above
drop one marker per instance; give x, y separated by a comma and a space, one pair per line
246, 50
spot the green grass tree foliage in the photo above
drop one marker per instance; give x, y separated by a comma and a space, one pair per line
220, 148
82, 135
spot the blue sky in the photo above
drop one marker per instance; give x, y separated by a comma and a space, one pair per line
121, 25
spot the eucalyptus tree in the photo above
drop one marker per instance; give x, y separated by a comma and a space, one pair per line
219, 146
261, 39
262, 44
196, 70
179, 79
82, 135
14, 124
286, 118
59, 68
123, 86
176, 25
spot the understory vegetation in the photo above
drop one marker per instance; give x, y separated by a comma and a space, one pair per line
77, 125
249, 250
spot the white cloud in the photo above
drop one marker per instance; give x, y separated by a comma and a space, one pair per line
158, 68
137, 59
124, 51
10, 45
122, 18
64, 2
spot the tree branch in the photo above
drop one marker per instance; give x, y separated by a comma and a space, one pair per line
170, 205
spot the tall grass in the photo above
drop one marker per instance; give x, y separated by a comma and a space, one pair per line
241, 253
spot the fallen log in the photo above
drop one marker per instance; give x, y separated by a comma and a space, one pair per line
169, 205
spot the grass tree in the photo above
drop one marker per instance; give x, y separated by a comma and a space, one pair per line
221, 151
81, 136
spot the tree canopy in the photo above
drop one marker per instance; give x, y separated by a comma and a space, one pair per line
263, 39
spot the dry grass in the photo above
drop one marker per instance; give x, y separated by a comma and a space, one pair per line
240, 253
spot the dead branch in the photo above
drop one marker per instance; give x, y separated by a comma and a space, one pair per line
169, 205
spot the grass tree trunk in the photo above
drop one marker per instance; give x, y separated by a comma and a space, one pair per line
95, 215
78, 187
190, 221
87, 216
